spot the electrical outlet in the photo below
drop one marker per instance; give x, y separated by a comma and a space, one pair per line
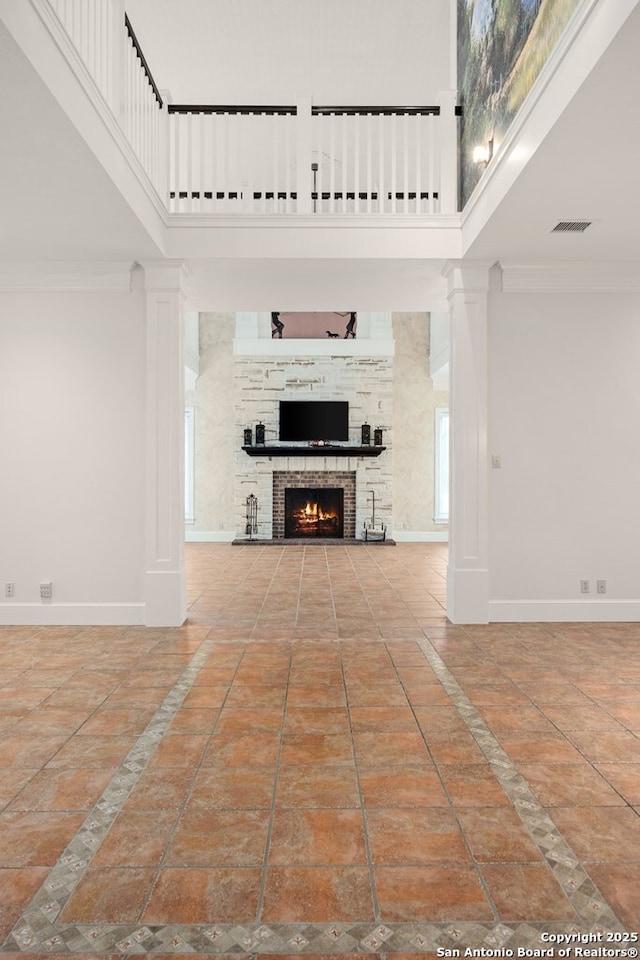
46, 591
9, 589
584, 586
601, 586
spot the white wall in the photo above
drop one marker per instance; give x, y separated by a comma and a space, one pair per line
72, 379
248, 51
564, 410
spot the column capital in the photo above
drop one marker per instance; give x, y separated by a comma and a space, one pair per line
165, 276
466, 275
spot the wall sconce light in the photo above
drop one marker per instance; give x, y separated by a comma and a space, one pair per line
483, 153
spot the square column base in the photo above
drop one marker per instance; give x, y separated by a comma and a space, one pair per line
165, 598
467, 595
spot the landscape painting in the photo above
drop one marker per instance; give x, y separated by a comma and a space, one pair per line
502, 47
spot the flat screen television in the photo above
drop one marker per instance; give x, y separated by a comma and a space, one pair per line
314, 420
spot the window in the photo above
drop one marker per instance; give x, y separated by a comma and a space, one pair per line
441, 497
189, 465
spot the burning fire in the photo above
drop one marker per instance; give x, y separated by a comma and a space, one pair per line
312, 513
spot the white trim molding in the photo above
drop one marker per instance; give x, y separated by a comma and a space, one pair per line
564, 611
421, 536
66, 276
72, 614
276, 349
209, 536
569, 277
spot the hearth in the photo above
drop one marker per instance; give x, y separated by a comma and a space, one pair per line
314, 512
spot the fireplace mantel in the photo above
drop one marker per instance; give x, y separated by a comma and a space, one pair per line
311, 451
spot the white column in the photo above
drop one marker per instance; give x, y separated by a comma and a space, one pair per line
165, 589
468, 569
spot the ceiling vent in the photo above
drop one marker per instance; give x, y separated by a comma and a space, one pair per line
571, 226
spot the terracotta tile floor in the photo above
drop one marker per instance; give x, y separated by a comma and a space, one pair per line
318, 763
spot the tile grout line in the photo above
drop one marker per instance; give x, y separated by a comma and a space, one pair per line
215, 938
374, 941
476, 866
565, 865
274, 793
47, 903
196, 769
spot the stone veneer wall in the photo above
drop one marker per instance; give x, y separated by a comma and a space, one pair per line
366, 382
215, 440
285, 479
414, 403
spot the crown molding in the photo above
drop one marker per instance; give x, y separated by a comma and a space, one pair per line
570, 277
65, 276
388, 221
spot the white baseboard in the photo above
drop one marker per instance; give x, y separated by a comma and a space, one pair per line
563, 611
72, 614
209, 536
421, 536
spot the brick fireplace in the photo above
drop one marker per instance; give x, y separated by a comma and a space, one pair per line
314, 480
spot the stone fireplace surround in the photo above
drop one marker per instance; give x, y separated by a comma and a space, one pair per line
360, 371
283, 479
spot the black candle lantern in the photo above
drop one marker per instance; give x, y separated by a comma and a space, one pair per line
365, 434
260, 434
248, 437
377, 437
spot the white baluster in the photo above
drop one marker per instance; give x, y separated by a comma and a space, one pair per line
382, 189
202, 157
177, 117
343, 132
290, 119
407, 131
316, 154
138, 107
332, 159
394, 164
356, 163
431, 148
189, 161
369, 184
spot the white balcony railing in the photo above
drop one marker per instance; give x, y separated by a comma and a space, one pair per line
292, 159
95, 29
305, 159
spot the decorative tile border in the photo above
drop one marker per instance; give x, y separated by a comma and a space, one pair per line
579, 889
38, 931
303, 939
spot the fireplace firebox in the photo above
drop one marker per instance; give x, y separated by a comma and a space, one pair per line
314, 512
